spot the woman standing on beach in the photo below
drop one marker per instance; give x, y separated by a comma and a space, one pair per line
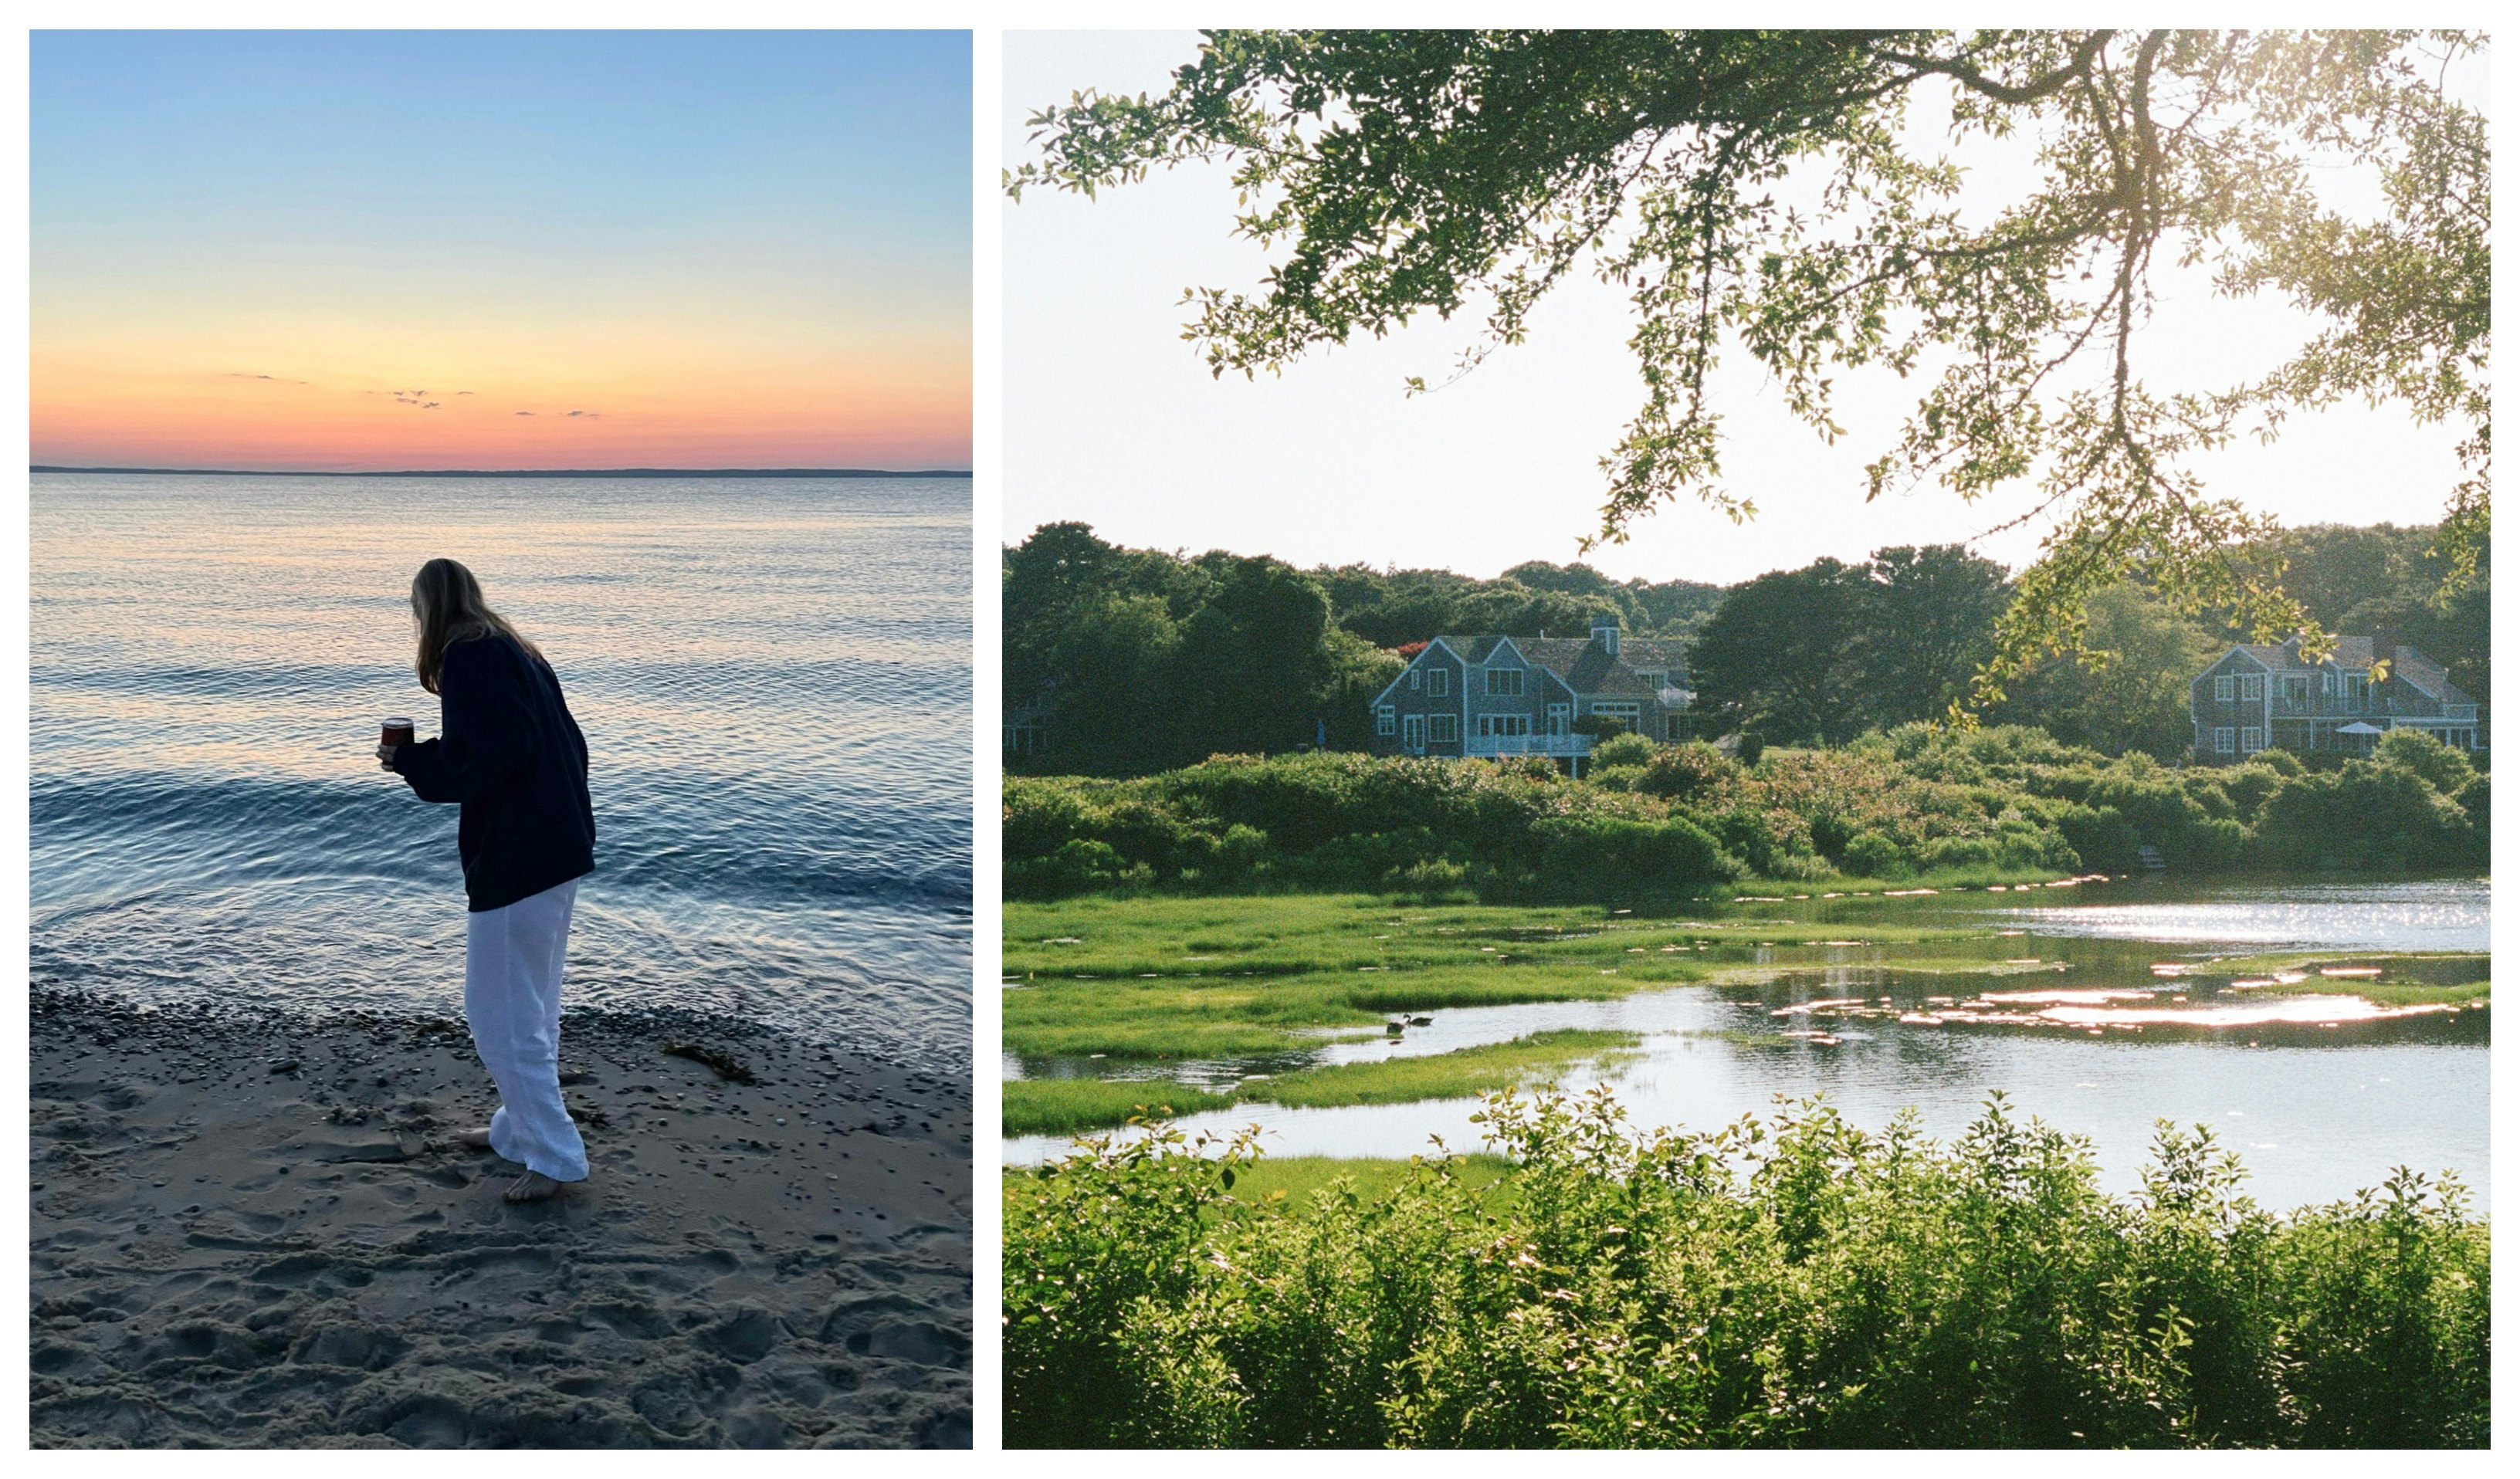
511, 755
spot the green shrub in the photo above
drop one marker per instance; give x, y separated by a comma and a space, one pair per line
1600, 856
1871, 855
2282, 762
2443, 769
1625, 749
1687, 773
2004, 799
2366, 815
2476, 798
1795, 1283
1079, 865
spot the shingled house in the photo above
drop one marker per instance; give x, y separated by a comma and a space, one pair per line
1490, 697
2252, 697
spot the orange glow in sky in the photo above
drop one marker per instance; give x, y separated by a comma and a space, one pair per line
367, 250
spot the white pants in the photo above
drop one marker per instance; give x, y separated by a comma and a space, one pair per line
513, 958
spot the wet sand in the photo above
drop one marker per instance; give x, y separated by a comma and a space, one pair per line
263, 1233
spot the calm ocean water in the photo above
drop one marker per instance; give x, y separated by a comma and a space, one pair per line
774, 677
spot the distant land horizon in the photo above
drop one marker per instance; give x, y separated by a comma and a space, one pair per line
525, 472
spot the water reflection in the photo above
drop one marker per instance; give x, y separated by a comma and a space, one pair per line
2322, 1095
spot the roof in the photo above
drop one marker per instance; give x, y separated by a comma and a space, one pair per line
1580, 662
2356, 655
2426, 677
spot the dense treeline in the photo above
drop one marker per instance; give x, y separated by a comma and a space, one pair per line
1126, 662
1796, 1283
1129, 661
1821, 654
2000, 802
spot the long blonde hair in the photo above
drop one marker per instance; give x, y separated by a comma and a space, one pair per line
446, 606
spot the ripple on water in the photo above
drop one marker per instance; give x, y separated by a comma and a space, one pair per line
774, 677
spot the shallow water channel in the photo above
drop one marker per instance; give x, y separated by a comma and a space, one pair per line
2104, 1019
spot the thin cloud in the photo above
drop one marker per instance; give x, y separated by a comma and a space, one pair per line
589, 415
524, 413
273, 378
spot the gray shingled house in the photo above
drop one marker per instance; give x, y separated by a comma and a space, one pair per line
2253, 698
1492, 696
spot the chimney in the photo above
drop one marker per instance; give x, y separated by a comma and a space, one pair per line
1606, 631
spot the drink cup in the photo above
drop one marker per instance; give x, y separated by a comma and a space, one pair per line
397, 732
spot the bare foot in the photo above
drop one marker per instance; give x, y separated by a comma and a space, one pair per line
532, 1186
475, 1139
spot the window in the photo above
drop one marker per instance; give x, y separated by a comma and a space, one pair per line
1416, 681
2222, 740
1413, 732
1653, 680
2252, 740
2358, 690
1558, 718
1444, 729
1385, 721
1493, 725
1674, 726
1625, 713
2223, 688
1439, 682
2253, 688
1505, 683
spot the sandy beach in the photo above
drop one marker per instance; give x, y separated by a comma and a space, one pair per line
263, 1233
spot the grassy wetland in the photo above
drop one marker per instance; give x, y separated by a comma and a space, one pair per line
1122, 1007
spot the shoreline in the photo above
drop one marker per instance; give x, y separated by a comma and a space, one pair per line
252, 1229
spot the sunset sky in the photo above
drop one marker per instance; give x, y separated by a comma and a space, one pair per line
369, 250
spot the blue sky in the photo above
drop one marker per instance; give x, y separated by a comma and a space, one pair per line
798, 200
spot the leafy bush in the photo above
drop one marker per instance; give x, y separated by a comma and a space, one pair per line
1871, 855
1891, 804
1687, 773
1799, 1282
1625, 749
2443, 769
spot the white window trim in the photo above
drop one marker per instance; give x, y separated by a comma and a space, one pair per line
1438, 724
2224, 687
1439, 683
2224, 739
1386, 721
2252, 740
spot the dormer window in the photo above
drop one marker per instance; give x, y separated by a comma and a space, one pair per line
1653, 680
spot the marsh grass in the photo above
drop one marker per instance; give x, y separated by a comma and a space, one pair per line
1153, 978
1066, 1106
1070, 1106
1542, 1058
2401, 992
1297, 1179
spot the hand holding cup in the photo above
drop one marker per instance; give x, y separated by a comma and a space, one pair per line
397, 731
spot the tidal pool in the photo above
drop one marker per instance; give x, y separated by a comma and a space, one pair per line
2105, 1015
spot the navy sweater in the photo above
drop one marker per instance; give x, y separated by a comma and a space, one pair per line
509, 751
